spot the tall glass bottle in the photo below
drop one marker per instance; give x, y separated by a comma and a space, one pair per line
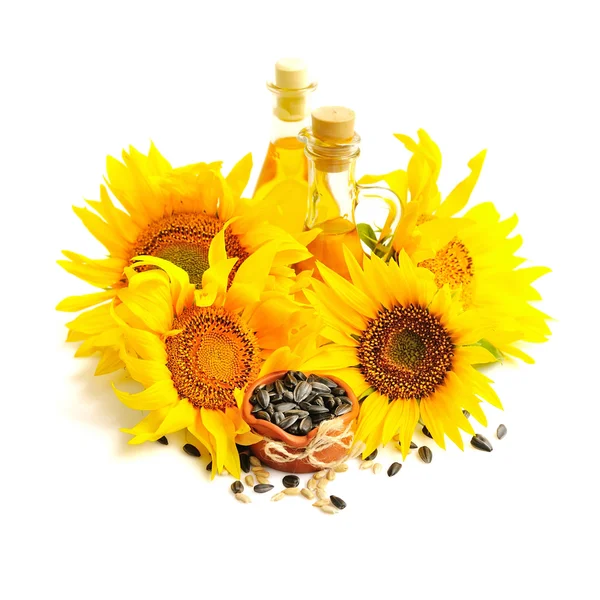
332, 147
284, 174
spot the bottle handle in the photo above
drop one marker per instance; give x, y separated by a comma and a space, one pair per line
394, 204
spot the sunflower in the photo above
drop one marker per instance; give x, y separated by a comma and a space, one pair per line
405, 346
195, 351
172, 214
473, 253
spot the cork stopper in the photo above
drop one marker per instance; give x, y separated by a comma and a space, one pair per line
291, 74
291, 88
333, 123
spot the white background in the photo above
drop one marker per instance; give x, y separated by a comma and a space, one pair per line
86, 516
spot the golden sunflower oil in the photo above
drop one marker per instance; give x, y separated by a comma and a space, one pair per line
284, 174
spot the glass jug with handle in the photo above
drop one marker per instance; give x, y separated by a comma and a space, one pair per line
332, 147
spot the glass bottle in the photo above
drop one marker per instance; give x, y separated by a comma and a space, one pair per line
284, 174
332, 147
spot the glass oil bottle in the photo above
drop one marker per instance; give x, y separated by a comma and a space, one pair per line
284, 174
332, 147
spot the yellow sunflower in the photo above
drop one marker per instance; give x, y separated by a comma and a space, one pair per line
473, 252
172, 214
196, 350
404, 345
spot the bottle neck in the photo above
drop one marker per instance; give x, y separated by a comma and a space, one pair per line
291, 111
332, 193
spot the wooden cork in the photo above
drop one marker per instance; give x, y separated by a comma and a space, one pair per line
333, 123
291, 74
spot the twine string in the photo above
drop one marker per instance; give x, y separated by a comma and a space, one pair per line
328, 436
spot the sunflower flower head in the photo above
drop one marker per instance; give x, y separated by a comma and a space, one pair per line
170, 214
196, 350
406, 347
473, 254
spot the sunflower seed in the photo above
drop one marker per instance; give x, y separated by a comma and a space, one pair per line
342, 409
261, 488
163, 440
394, 469
254, 461
243, 498
237, 487
290, 379
315, 409
291, 481
426, 432
501, 431
337, 502
257, 408
321, 417
209, 466
425, 454
294, 429
288, 394
319, 475
311, 484
322, 483
481, 443
288, 422
329, 509
330, 475
261, 471
263, 398
264, 415
318, 402
365, 464
277, 497
249, 480
279, 387
305, 425
245, 463
466, 413
285, 406
317, 386
302, 391
321, 502
341, 468
292, 491
262, 479
373, 455
327, 382
300, 375
277, 418
413, 446
330, 404
321, 494
308, 493
377, 467
296, 411
191, 450
253, 400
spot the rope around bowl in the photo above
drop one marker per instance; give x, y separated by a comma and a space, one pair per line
328, 435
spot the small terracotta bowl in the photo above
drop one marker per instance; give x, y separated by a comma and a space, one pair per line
270, 430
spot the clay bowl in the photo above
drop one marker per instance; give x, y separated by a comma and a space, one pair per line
270, 430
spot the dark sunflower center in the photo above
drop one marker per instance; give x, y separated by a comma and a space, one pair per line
406, 348
451, 264
405, 353
214, 354
184, 240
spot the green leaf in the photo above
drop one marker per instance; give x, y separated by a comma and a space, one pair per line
367, 235
491, 349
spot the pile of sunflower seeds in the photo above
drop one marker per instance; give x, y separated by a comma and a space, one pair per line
298, 403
